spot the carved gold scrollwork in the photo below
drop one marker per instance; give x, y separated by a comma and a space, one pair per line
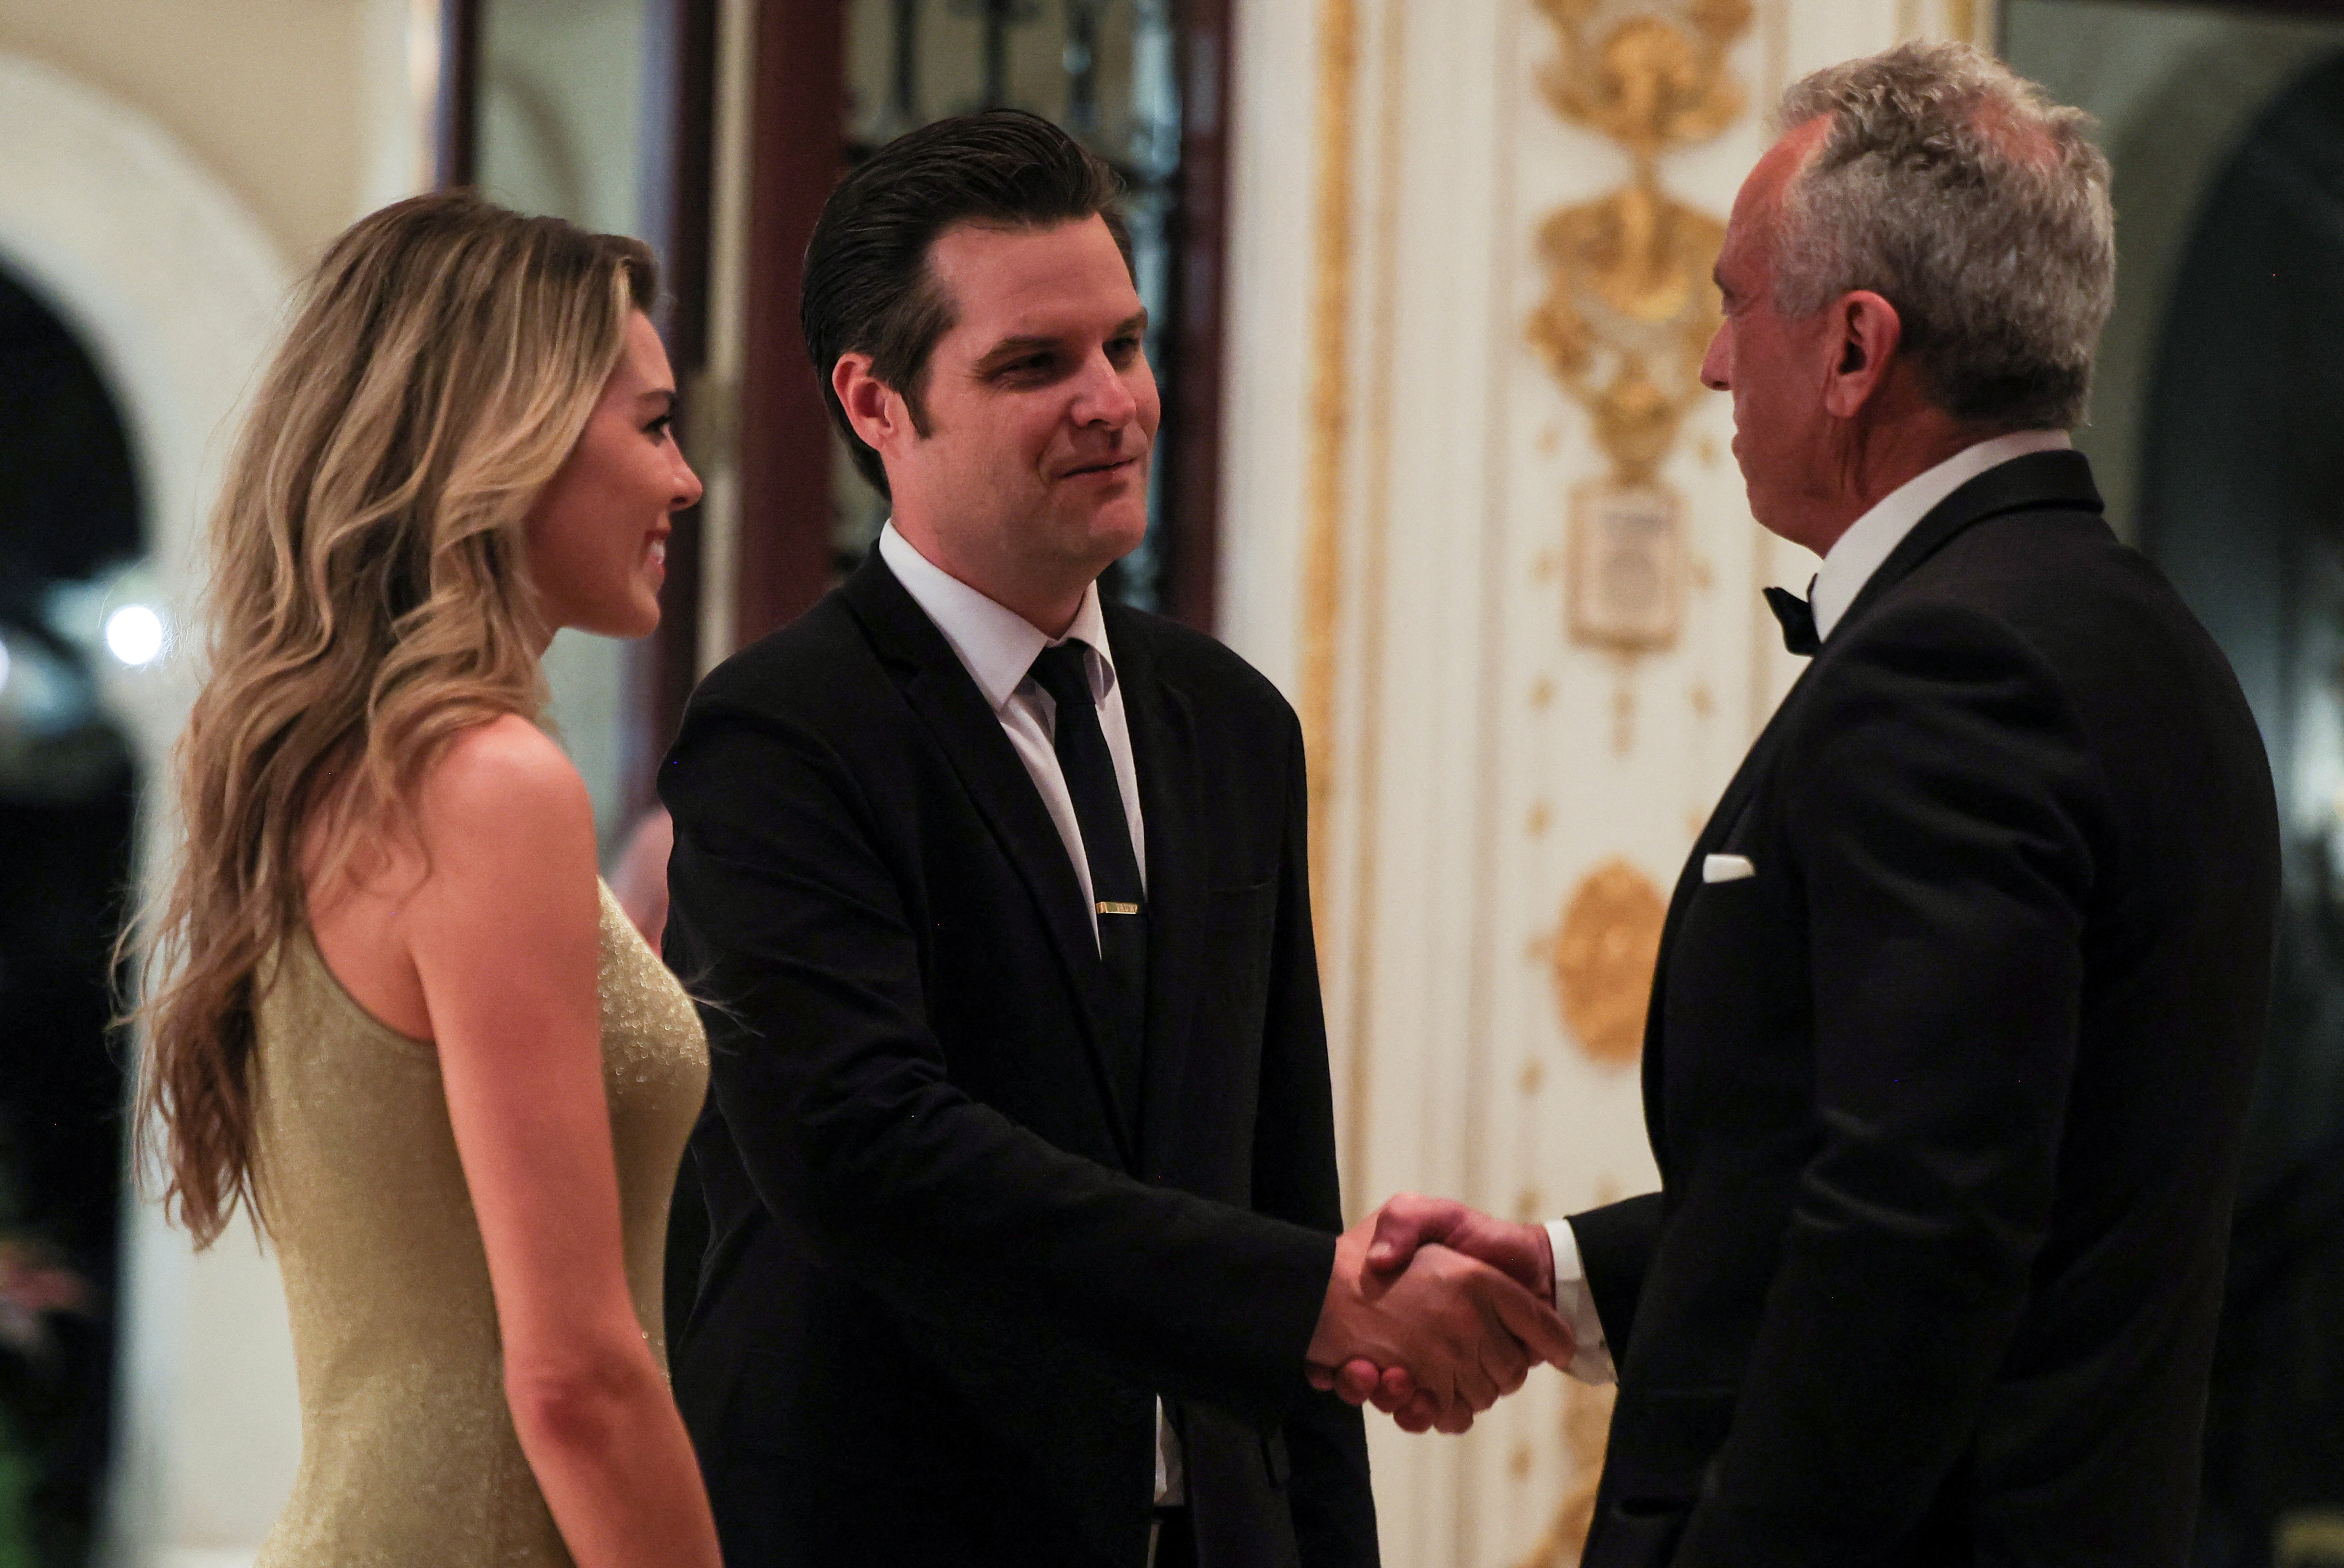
1630, 307
1649, 74
1629, 312
1602, 959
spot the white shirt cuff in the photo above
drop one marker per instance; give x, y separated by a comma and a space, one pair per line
1575, 1303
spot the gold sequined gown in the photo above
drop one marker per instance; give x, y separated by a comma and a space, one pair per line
409, 1457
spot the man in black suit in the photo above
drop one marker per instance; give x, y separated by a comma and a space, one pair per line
1960, 992
1019, 1162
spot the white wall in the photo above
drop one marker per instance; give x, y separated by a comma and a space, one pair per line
299, 107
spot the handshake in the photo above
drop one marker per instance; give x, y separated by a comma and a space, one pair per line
1435, 1311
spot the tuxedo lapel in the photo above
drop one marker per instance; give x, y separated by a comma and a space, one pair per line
2060, 479
1163, 752
941, 691
1730, 807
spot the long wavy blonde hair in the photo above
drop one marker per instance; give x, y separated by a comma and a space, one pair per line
370, 598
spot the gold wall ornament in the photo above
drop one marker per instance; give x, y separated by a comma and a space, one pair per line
1328, 414
1602, 959
1627, 316
1649, 74
1333, 439
1630, 307
1586, 1434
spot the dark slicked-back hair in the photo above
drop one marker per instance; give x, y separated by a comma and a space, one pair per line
868, 287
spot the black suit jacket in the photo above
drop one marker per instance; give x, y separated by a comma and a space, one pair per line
1947, 1098
946, 1273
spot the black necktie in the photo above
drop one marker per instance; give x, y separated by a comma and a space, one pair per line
1119, 901
1798, 619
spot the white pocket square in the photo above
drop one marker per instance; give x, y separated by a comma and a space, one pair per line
1726, 868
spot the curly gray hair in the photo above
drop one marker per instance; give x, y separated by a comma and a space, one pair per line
1976, 205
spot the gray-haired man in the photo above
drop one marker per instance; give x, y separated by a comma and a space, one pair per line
1960, 993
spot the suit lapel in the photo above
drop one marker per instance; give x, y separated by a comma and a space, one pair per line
941, 691
1163, 752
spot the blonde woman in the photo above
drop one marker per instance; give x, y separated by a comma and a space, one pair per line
392, 1011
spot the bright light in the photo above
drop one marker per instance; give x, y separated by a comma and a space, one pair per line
135, 634
3, 667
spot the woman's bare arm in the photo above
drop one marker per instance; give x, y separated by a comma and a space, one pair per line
503, 934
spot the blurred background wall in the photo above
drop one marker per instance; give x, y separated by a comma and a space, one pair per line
303, 109
1430, 286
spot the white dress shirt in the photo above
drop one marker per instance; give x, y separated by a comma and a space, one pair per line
997, 647
1849, 564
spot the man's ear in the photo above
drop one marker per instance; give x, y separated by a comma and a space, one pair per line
872, 407
1865, 333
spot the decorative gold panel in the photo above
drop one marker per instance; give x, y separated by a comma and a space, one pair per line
1629, 312
1330, 414
1602, 960
1627, 574
1630, 309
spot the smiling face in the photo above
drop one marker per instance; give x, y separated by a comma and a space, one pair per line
1776, 368
597, 533
1031, 477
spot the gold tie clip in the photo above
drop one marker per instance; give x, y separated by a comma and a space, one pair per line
1118, 908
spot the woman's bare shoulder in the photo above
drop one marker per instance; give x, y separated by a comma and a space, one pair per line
505, 784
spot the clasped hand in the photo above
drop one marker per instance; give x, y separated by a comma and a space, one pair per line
1434, 1311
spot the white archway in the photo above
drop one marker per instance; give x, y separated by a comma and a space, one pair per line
173, 288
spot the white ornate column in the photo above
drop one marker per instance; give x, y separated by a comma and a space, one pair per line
1486, 530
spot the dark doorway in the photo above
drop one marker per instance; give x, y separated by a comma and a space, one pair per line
2242, 504
69, 540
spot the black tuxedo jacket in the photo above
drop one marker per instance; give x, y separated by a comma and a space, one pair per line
947, 1272
1947, 1098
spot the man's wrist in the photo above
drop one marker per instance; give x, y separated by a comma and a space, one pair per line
1328, 1346
1542, 1249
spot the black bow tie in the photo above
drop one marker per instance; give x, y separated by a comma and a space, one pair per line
1798, 619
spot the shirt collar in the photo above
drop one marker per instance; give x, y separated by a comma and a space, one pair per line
996, 645
1869, 539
